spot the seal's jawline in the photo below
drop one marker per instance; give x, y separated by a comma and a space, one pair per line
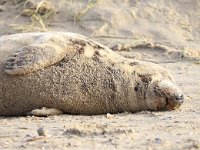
171, 106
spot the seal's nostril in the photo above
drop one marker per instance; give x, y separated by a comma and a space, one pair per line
179, 97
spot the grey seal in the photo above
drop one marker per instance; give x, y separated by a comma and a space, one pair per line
57, 72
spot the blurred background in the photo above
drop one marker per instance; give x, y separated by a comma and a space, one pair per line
119, 24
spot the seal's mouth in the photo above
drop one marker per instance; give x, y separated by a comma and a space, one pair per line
174, 103
169, 96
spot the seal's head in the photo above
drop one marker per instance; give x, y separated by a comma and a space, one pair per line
157, 89
163, 94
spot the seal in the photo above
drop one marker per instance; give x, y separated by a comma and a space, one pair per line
54, 73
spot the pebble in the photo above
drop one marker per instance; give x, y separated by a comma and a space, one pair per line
109, 116
42, 132
158, 140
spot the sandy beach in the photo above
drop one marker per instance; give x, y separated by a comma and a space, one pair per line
163, 32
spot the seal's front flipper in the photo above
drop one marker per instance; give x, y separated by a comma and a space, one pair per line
44, 112
34, 57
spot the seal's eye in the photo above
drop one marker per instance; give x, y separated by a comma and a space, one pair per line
167, 102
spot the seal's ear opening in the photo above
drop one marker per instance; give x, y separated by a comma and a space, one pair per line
174, 96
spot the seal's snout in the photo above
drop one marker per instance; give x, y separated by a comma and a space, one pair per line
179, 98
174, 96
175, 101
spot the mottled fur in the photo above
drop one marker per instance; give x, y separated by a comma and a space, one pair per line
76, 75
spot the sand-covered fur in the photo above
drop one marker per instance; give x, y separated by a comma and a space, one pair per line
76, 75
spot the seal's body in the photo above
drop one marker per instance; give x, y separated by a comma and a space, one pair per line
73, 74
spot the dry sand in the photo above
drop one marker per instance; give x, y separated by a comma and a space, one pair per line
164, 32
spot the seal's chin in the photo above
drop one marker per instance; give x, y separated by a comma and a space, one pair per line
166, 104
169, 96
172, 104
